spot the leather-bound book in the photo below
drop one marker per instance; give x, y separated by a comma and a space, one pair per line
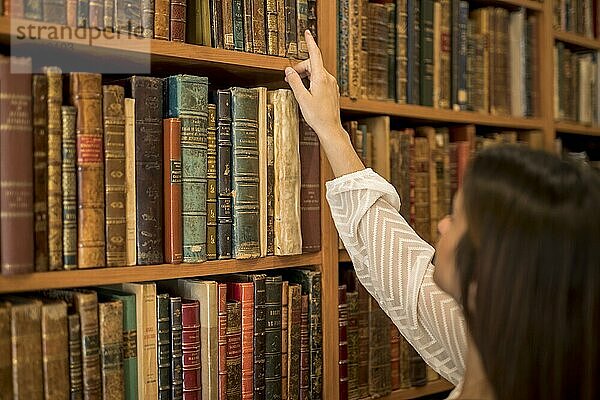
310, 189
110, 318
311, 17
172, 190
363, 339
193, 32
86, 96
114, 174
192, 365
5, 348
304, 376
245, 177
71, 13
188, 101
130, 197
294, 340
109, 15
262, 167
216, 23
248, 26
404, 362
343, 46
148, 18
55, 204
211, 191
270, 182
281, 28
55, 349
96, 14
243, 294
287, 226
377, 65
259, 33
413, 28
176, 352
227, 26
163, 343
284, 338
40, 170
291, 29
33, 9
354, 48
353, 344
273, 337
69, 186
379, 350
420, 170
224, 200
75, 367
394, 357
222, 339
238, 25
54, 11
83, 13
26, 339
343, 342
161, 19
129, 334
417, 368
272, 30
234, 350
426, 53
128, 17
16, 168
148, 94
177, 20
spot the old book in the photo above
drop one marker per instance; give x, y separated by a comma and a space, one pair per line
287, 226
377, 61
128, 17
16, 168
401, 50
216, 25
224, 200
39, 115
499, 104
238, 25
109, 15
476, 79
301, 27
420, 173
211, 191
234, 350
163, 345
110, 319
379, 350
129, 334
444, 45
191, 350
272, 30
5, 348
86, 96
130, 186
147, 18
177, 20
145, 305
343, 38
273, 337
83, 13
285, 315
363, 338
96, 14
304, 375
188, 101
531, 78
69, 188
227, 26
312, 19
245, 177
114, 175
343, 342
353, 344
161, 19
398, 162
310, 188
394, 357
294, 323
404, 361
280, 5
147, 93
270, 181
222, 339
263, 161
243, 294
417, 368
176, 329
172, 190
33, 9
291, 29
54, 11
354, 48
442, 168
259, 43
413, 28
426, 52
75, 368
55, 349
248, 26
517, 57
26, 339
481, 27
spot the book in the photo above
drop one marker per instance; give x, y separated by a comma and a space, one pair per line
69, 188
380, 129
263, 161
238, 25
294, 341
163, 345
172, 190
379, 350
177, 20
342, 341
353, 344
110, 321
426, 53
216, 26
54, 11
192, 364
211, 191
234, 350
176, 329
310, 189
281, 27
5, 348
75, 368
130, 182
285, 343
55, 349
222, 339
259, 43
271, 27
161, 19
248, 26
291, 29
273, 338
377, 60
304, 374
270, 182
224, 199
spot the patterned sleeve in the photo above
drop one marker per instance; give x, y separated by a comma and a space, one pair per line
394, 265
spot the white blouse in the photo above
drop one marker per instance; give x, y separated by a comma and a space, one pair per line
394, 265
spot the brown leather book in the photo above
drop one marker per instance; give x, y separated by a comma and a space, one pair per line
5, 344
258, 26
227, 16
420, 172
244, 294
310, 189
177, 20
54, 173
248, 26
55, 349
75, 369
343, 342
404, 362
16, 168
192, 377
284, 338
379, 350
363, 339
395, 356
353, 343
222, 340
211, 191
280, 28
304, 380
172, 190
272, 30
96, 14
110, 318
130, 197
69, 186
86, 96
302, 26
291, 29
294, 340
234, 350
161, 19
40, 170
71, 12
114, 175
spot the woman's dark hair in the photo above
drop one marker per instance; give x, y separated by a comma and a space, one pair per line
532, 248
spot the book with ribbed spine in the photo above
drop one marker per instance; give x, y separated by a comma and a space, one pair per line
311, 19
304, 374
302, 26
285, 315
110, 320
259, 43
379, 350
211, 191
172, 190
176, 351
248, 26
224, 200
147, 11
271, 27
353, 344
238, 25
75, 368
273, 337
310, 188
291, 29
5, 348
480, 26
343, 341
293, 341
130, 178
280, 27
343, 43
270, 181
391, 50
377, 59
222, 339
177, 20
163, 349
161, 19
191, 351
217, 22
426, 53
245, 173
234, 350
69, 188
263, 160
413, 28
188, 101
55, 349
394, 357
354, 48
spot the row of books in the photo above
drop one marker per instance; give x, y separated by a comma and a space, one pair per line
577, 16
440, 54
374, 358
117, 179
576, 88
243, 337
274, 27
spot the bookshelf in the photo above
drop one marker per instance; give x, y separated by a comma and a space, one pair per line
252, 69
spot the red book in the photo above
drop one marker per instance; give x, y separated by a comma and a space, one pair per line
172, 190
304, 350
343, 342
395, 356
244, 293
222, 342
190, 344
310, 189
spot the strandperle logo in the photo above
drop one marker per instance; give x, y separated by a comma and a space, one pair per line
64, 32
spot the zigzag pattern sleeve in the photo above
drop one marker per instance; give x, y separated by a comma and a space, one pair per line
394, 265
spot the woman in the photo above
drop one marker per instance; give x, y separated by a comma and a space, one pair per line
511, 309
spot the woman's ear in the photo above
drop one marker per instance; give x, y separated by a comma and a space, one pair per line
472, 296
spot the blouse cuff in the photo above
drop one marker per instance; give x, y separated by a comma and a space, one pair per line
365, 179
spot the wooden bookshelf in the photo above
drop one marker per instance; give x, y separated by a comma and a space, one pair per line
513, 4
344, 256
438, 386
577, 129
577, 40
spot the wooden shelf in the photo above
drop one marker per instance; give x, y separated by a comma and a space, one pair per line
343, 256
577, 40
438, 386
578, 129
429, 114
104, 276
513, 4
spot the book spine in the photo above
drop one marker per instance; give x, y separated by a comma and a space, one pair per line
401, 51
246, 232
128, 17
161, 19
211, 193
260, 342
130, 178
421, 174
285, 315
172, 190
377, 60
114, 175
16, 168
40, 170
272, 28
222, 340
248, 26
147, 18
426, 53
263, 149
354, 48
5, 348
343, 42
244, 294
176, 349
75, 367
238, 25
394, 357
270, 181
294, 340
445, 48
147, 92
280, 27
304, 376
310, 189
353, 344
86, 304
109, 15
33, 9
312, 19
413, 51
192, 365
462, 98
316, 335
363, 340
259, 42
110, 318
163, 350
379, 351
216, 25
224, 200
273, 341
54, 11
343, 341
86, 92
193, 32
291, 29
83, 13
55, 350
96, 14
391, 50
177, 20
417, 368
302, 26
234, 350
